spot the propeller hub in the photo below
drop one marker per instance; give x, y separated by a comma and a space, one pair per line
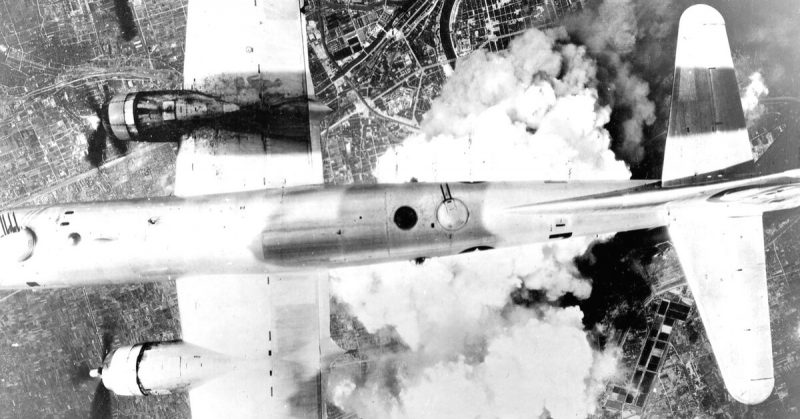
119, 371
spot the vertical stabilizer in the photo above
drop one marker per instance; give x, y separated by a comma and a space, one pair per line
707, 137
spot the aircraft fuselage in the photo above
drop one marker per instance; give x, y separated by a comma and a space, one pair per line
294, 229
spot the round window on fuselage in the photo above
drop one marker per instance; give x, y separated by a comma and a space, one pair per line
405, 218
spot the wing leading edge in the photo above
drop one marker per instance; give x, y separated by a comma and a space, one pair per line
723, 259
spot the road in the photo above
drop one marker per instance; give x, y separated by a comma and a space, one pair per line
382, 115
407, 9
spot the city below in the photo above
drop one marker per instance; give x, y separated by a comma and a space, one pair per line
379, 65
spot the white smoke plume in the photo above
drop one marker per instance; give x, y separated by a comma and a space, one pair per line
508, 383
526, 113
471, 352
472, 283
530, 112
92, 121
754, 91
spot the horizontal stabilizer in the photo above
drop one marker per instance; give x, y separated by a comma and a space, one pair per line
724, 263
707, 136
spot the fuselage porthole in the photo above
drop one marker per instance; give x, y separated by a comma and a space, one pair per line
405, 218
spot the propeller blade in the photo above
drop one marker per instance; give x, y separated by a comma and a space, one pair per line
96, 152
107, 341
80, 374
120, 146
98, 138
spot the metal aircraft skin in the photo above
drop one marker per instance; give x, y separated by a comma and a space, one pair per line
251, 231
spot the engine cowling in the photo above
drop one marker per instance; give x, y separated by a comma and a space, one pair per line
119, 371
160, 368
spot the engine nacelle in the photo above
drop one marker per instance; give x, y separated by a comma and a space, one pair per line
119, 371
160, 368
162, 115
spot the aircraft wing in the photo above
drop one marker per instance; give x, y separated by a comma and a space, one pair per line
707, 136
276, 331
722, 256
253, 54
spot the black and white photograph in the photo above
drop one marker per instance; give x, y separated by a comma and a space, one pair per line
400, 209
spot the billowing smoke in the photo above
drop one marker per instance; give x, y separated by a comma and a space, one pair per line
508, 383
618, 66
468, 348
755, 90
550, 106
530, 112
643, 34
574, 102
383, 294
617, 34
470, 352
92, 121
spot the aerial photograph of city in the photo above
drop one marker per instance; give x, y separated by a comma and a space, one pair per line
599, 324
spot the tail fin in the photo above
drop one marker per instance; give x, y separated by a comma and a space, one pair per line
707, 139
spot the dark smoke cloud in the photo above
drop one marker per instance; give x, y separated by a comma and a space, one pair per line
618, 33
459, 328
616, 268
634, 43
96, 145
463, 348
